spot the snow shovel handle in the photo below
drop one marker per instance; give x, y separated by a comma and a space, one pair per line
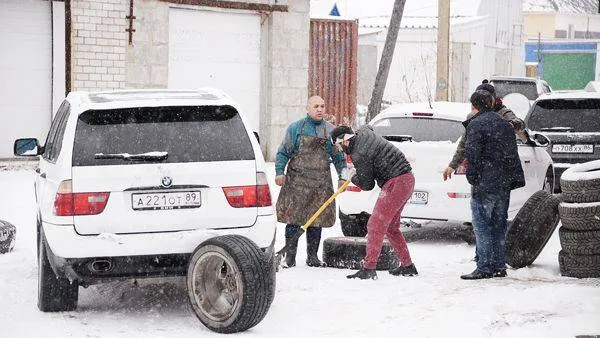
325, 205
300, 231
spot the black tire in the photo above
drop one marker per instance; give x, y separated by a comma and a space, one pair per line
575, 216
579, 242
581, 183
349, 252
579, 266
230, 283
531, 229
55, 293
354, 225
8, 233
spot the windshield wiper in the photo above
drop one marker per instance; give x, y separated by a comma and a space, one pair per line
556, 129
149, 156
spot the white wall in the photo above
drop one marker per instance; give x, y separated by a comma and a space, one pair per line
58, 55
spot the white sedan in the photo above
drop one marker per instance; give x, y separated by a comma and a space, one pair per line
428, 136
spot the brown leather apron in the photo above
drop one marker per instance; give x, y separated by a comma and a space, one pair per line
308, 185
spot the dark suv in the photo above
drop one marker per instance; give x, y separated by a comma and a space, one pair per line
572, 123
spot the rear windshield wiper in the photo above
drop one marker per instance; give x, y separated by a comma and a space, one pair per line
398, 138
556, 129
149, 156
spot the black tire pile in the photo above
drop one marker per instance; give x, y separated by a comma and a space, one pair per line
7, 236
580, 216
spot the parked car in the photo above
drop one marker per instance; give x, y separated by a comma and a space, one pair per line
146, 183
428, 136
531, 87
572, 123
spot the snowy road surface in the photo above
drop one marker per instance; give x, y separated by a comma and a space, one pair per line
310, 302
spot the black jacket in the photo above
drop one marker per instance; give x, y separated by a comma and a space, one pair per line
375, 159
493, 162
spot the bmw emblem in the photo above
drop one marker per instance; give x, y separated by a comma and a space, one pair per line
166, 181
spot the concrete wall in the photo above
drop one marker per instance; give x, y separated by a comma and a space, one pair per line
102, 59
539, 23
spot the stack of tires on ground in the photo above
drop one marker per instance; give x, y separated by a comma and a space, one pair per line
7, 236
580, 216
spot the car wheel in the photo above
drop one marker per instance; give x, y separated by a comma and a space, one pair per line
55, 293
230, 284
531, 229
581, 183
579, 242
579, 266
349, 252
354, 225
8, 234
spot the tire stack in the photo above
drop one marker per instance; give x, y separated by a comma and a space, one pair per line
580, 216
7, 236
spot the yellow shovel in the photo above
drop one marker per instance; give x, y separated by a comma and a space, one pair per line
281, 253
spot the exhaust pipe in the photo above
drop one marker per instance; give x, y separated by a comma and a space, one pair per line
100, 265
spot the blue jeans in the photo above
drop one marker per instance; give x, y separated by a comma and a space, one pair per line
490, 213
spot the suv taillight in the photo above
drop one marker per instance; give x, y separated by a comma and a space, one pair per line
250, 195
67, 203
462, 168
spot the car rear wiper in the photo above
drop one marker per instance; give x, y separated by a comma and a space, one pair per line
556, 129
149, 156
398, 138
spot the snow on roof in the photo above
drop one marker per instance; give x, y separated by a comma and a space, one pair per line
561, 6
383, 8
413, 22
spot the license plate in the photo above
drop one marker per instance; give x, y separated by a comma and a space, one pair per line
166, 200
573, 148
419, 197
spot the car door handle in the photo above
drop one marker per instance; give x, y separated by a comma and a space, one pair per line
527, 161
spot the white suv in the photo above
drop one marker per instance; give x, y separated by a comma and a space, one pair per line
155, 183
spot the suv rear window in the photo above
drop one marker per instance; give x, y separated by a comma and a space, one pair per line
503, 88
421, 129
187, 134
567, 115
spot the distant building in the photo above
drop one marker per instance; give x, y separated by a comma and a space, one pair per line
486, 39
562, 41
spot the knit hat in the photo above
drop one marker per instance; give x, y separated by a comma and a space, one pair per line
487, 86
341, 133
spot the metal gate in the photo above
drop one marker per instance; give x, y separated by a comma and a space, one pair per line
332, 70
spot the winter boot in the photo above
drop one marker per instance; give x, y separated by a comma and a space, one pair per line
409, 270
364, 274
312, 247
290, 255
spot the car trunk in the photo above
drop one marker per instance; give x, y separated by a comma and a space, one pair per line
164, 169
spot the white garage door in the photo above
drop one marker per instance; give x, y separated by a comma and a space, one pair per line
26, 71
219, 50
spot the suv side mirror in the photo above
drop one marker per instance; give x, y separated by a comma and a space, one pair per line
27, 147
540, 140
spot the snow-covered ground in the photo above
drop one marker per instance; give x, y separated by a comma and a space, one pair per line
310, 302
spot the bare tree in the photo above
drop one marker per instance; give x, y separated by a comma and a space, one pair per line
386, 60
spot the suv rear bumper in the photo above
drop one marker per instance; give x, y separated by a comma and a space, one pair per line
66, 243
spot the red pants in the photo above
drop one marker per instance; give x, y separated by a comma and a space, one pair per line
385, 220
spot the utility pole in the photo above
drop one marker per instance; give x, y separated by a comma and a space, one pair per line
386, 60
443, 51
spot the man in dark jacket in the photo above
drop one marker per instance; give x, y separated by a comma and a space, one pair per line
504, 112
377, 160
493, 170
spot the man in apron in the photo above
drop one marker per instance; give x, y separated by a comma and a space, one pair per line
307, 151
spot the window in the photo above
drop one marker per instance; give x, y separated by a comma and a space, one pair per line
572, 115
187, 134
527, 88
421, 129
55, 135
